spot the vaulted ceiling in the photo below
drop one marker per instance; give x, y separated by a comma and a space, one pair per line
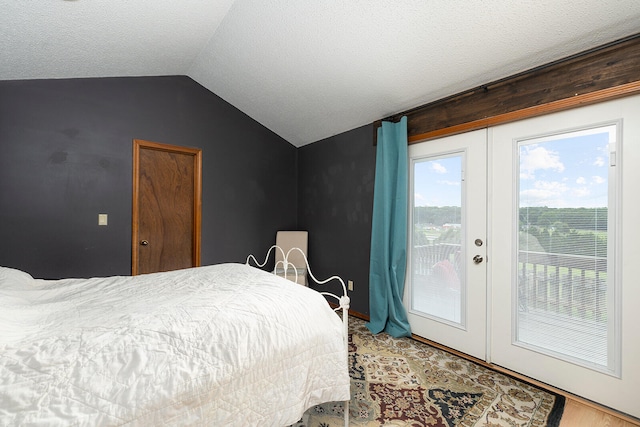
306, 69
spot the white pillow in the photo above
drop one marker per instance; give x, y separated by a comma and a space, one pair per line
15, 312
12, 279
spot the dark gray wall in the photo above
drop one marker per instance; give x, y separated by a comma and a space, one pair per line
335, 193
66, 155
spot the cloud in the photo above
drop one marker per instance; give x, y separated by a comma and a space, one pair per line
444, 182
544, 193
599, 161
438, 168
597, 179
556, 194
580, 192
534, 157
419, 199
551, 186
581, 180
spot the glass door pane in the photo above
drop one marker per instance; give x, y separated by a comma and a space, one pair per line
437, 273
446, 285
564, 287
564, 235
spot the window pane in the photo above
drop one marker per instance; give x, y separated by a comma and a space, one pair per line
563, 241
437, 271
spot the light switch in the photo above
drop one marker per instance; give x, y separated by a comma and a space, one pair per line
102, 219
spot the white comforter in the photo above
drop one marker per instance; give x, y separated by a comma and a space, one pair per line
220, 345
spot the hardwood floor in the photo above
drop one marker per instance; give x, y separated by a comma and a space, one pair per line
577, 414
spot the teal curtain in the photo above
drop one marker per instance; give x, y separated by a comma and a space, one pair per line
389, 232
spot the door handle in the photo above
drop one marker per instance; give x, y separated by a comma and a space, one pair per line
477, 259
144, 242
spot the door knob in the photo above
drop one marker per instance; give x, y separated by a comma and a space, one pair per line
477, 259
144, 242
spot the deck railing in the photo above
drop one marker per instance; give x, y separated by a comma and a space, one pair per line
570, 285
573, 285
426, 257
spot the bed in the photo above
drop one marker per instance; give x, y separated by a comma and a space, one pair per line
227, 344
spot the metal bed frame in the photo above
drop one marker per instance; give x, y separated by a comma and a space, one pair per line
343, 301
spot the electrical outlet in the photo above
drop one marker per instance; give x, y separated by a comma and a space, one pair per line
350, 285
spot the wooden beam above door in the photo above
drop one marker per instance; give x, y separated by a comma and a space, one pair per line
600, 74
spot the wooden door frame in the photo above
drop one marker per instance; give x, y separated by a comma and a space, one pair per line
139, 144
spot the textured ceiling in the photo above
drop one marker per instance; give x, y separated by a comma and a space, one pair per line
305, 69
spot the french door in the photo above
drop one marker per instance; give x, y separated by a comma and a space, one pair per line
555, 206
446, 290
564, 284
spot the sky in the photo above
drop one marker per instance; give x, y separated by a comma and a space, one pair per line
437, 182
569, 170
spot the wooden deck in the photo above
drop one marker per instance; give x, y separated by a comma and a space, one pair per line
569, 337
564, 335
436, 299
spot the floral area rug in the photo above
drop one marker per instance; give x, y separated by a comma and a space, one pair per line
402, 383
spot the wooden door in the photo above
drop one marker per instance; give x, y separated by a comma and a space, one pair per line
166, 207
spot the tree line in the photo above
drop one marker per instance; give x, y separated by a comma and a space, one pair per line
575, 231
565, 218
562, 219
